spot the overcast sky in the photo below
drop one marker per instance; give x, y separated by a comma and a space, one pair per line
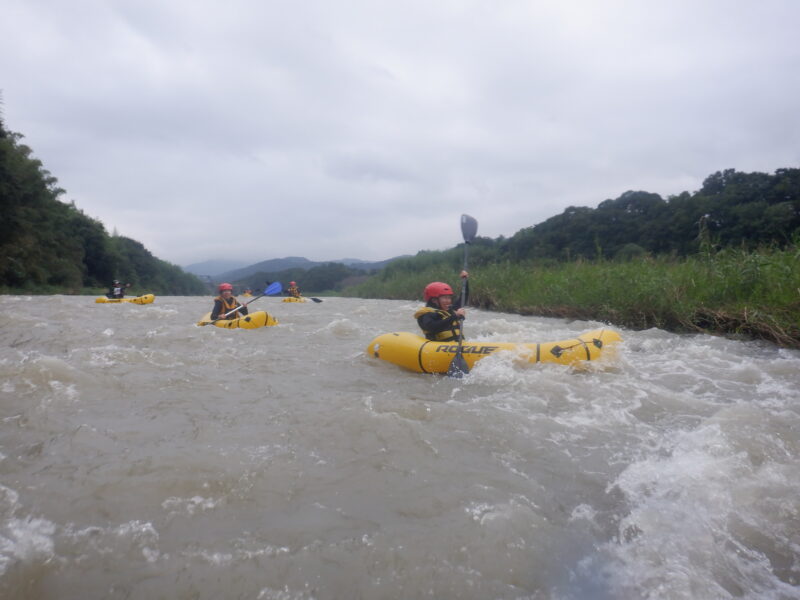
252, 129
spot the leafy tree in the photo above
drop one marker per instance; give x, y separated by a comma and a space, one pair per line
49, 244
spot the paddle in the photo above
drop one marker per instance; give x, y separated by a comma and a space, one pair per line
458, 366
272, 289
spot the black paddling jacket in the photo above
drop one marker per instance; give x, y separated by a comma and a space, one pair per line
221, 307
439, 325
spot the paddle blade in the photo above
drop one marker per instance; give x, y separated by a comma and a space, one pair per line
317, 300
273, 288
469, 228
458, 367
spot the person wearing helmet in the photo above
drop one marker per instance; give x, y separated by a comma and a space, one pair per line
293, 290
117, 290
225, 303
440, 318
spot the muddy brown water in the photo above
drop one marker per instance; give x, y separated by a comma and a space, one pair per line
144, 457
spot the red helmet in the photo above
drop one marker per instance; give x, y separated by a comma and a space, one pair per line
225, 286
292, 283
436, 289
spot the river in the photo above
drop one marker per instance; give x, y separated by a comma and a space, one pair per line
144, 457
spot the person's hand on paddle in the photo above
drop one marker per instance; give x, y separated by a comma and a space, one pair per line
464, 274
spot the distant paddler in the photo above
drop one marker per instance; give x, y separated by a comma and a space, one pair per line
247, 293
226, 305
293, 290
117, 290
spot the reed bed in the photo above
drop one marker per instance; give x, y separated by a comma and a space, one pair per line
755, 294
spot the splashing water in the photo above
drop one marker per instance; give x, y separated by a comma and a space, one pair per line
142, 456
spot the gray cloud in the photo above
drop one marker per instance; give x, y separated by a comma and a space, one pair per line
263, 129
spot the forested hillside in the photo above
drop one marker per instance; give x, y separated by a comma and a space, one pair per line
322, 278
731, 210
51, 246
293, 267
725, 259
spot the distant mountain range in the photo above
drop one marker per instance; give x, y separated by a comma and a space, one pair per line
236, 270
211, 268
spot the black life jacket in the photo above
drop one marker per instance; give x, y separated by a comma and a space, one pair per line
446, 335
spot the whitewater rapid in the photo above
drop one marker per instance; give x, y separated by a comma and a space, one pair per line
142, 456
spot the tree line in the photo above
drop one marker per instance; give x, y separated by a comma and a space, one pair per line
731, 210
50, 245
47, 244
316, 280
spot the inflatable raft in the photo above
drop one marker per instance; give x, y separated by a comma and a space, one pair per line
293, 299
252, 321
424, 356
146, 299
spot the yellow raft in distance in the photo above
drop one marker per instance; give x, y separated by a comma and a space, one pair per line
418, 354
293, 299
146, 299
252, 321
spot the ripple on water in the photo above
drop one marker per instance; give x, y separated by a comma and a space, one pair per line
149, 457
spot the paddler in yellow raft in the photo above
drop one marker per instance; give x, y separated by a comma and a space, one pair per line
293, 291
117, 290
440, 318
225, 303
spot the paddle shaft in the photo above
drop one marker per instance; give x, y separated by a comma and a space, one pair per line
274, 288
458, 366
463, 301
241, 306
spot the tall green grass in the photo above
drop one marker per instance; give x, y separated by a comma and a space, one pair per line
732, 291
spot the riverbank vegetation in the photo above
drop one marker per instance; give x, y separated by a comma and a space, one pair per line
725, 259
49, 246
752, 293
